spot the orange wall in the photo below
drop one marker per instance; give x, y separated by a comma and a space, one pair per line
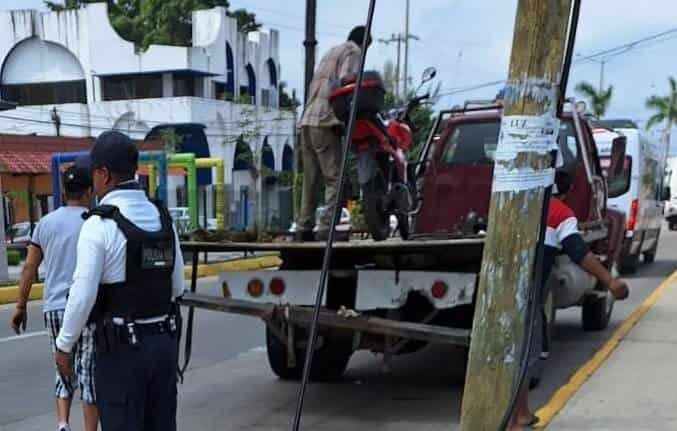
16, 186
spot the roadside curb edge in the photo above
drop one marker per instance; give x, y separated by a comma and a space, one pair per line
9, 294
561, 397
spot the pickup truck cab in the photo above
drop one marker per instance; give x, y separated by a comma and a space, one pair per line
456, 182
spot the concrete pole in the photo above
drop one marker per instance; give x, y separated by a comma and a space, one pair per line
522, 171
397, 68
406, 50
601, 76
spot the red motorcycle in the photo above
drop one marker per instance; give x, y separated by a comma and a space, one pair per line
381, 143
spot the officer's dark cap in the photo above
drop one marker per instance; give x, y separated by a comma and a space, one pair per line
77, 177
115, 151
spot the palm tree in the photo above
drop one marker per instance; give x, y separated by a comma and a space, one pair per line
599, 99
666, 111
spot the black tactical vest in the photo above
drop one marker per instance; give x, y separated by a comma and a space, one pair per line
147, 289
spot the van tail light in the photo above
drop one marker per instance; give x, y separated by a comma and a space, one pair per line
632, 216
277, 286
255, 288
439, 289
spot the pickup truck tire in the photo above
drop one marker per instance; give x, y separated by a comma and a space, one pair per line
596, 312
672, 225
375, 215
628, 264
329, 364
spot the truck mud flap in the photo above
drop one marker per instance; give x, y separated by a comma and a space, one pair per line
302, 316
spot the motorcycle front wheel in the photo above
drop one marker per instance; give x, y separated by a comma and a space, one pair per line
374, 194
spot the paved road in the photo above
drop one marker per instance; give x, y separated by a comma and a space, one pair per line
229, 386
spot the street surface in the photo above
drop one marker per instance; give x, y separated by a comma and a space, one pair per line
229, 385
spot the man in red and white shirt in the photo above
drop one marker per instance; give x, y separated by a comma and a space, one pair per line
561, 236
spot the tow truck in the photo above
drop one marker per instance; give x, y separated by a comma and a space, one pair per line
395, 296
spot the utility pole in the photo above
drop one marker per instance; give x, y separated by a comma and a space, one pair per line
522, 171
4, 271
396, 39
310, 44
601, 76
406, 49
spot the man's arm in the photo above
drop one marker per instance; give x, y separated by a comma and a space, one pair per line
28, 273
86, 279
577, 250
178, 283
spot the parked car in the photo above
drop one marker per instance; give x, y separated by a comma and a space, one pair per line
181, 218
343, 225
19, 233
638, 191
671, 204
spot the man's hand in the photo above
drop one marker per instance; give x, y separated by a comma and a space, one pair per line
19, 319
619, 289
64, 363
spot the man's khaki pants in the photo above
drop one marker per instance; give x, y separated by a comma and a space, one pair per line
321, 159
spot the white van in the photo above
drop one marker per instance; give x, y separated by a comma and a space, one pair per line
671, 205
639, 193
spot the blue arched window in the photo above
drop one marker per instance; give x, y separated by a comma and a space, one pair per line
250, 88
287, 158
272, 70
230, 70
243, 156
267, 155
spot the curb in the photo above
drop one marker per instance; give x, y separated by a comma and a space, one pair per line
562, 396
9, 294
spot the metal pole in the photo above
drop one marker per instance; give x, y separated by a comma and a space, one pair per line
406, 50
601, 76
310, 43
312, 339
397, 68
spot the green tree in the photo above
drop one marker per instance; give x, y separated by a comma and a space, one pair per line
286, 101
165, 22
599, 99
665, 108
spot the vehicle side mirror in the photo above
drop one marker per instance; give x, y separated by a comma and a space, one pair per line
617, 161
428, 74
666, 193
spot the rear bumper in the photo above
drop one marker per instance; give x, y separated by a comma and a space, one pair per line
302, 316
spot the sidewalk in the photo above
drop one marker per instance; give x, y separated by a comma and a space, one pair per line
636, 388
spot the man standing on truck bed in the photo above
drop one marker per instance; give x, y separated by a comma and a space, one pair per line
321, 135
561, 236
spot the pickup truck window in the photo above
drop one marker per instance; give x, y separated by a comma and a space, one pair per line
475, 143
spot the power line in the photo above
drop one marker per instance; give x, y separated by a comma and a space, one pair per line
144, 132
618, 50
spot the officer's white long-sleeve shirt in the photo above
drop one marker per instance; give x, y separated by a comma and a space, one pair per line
101, 259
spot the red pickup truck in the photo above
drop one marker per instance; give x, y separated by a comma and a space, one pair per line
397, 296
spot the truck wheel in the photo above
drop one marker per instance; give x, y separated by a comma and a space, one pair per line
596, 312
329, 363
650, 256
672, 226
628, 264
378, 220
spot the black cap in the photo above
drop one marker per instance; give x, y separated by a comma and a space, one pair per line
115, 151
77, 177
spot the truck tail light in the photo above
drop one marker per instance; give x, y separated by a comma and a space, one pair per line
277, 286
255, 288
632, 216
439, 289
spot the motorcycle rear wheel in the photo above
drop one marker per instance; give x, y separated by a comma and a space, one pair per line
375, 214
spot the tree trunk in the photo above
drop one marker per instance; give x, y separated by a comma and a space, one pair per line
522, 171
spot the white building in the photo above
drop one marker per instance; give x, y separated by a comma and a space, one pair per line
73, 75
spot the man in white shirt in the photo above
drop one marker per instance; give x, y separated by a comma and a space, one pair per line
54, 243
129, 271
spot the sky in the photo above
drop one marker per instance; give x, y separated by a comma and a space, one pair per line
469, 41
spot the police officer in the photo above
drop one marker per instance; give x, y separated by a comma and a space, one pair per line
128, 273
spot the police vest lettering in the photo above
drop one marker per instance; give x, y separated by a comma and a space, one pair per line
147, 289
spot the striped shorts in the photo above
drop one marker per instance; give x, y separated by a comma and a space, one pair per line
83, 361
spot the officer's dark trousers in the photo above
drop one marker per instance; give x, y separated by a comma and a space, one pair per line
136, 386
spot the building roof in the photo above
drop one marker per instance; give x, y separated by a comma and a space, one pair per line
33, 154
20, 154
